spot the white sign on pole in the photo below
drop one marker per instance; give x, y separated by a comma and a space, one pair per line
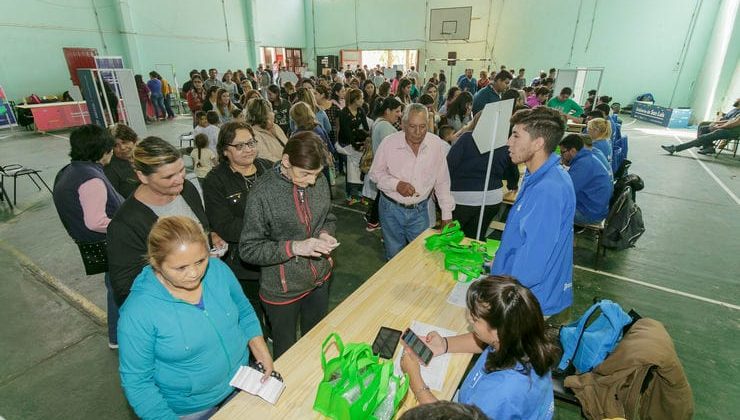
489, 134
495, 116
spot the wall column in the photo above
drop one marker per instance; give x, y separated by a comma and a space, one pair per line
707, 96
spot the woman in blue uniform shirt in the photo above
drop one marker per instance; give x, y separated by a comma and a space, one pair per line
511, 379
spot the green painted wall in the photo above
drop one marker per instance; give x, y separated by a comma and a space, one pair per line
640, 43
184, 34
33, 34
279, 23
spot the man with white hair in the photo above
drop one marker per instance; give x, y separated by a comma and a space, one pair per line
407, 167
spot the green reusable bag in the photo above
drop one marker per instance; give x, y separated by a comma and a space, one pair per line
353, 398
355, 383
398, 387
451, 234
333, 374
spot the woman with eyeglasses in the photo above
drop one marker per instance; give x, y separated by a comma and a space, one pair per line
225, 192
290, 234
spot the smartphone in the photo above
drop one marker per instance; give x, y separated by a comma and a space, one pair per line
385, 342
417, 346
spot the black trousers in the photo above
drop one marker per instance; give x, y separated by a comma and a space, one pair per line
468, 217
707, 140
283, 318
251, 289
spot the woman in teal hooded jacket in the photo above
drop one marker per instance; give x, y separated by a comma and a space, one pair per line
186, 327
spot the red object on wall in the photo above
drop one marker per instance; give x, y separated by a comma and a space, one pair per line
79, 58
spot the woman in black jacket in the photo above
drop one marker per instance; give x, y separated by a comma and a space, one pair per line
120, 171
163, 192
353, 130
225, 193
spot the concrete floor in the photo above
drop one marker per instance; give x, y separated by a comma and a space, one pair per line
56, 363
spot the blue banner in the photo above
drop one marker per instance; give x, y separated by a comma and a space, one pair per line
651, 113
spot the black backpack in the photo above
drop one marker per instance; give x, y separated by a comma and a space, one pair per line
624, 223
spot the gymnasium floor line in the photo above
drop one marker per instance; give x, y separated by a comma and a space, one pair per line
709, 171
657, 287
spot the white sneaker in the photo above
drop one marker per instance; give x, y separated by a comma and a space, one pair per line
112, 346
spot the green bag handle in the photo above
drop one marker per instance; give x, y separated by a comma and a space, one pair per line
451, 234
386, 375
325, 346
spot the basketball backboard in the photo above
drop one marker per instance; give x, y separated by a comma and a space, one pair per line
451, 23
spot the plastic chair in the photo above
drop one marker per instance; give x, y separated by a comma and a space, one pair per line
14, 171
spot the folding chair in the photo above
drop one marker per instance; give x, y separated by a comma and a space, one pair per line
14, 171
722, 146
4, 195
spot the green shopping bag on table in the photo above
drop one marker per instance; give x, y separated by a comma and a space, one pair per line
451, 234
356, 384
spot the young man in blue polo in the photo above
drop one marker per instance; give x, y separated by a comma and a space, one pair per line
537, 244
591, 180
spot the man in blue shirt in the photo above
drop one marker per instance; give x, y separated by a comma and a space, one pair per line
537, 244
591, 181
467, 83
492, 92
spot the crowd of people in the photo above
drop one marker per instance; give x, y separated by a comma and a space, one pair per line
200, 281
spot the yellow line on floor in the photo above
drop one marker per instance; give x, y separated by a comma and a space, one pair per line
76, 299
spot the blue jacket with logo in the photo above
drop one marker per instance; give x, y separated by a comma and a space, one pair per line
592, 184
537, 244
515, 393
175, 358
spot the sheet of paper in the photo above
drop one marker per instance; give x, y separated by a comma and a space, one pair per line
434, 375
458, 293
248, 379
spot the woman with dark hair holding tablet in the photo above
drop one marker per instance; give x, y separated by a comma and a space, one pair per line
290, 234
511, 379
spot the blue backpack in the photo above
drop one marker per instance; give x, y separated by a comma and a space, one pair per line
586, 345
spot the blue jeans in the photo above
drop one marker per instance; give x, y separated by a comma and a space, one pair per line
209, 412
112, 310
401, 225
158, 103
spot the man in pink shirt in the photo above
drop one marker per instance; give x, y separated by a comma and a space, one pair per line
407, 167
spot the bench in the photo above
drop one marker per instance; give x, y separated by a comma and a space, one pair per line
597, 232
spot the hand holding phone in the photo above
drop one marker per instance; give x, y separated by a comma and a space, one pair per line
417, 346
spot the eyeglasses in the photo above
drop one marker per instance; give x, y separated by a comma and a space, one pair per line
240, 146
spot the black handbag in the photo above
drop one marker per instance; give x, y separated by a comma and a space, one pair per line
94, 256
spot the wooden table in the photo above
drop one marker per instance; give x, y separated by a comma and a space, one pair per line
412, 286
574, 127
